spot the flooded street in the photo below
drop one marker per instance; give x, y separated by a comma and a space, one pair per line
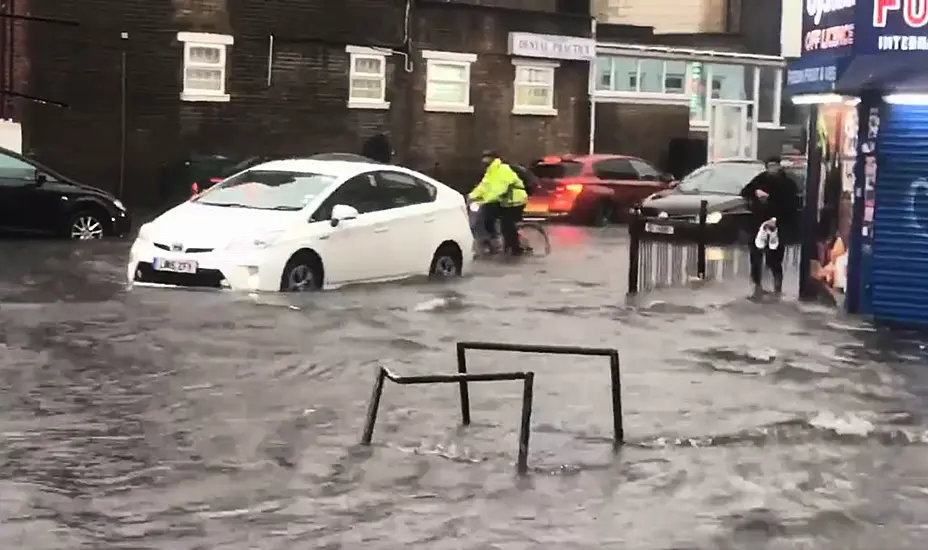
167, 419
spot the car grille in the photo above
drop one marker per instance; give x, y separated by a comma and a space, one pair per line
186, 250
203, 278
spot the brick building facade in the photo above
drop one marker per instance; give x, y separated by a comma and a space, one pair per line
145, 84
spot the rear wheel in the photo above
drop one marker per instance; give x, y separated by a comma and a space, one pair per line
534, 239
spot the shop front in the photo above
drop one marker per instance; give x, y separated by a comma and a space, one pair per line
864, 69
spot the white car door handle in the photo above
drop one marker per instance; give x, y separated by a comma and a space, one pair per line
383, 229
430, 219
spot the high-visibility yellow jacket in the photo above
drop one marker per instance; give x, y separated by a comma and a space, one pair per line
500, 184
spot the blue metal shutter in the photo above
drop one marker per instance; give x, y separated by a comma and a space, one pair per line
899, 266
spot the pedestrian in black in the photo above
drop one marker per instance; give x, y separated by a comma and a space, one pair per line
378, 148
773, 199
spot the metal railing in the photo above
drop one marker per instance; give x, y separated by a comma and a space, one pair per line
657, 262
462, 377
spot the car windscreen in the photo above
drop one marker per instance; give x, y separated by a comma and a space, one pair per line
557, 170
267, 190
724, 178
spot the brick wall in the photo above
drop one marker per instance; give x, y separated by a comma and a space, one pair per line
640, 130
454, 141
304, 109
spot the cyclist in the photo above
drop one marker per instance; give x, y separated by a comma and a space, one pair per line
503, 196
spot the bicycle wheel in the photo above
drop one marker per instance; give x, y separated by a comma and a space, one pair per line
534, 239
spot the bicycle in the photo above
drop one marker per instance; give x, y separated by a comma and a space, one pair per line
533, 238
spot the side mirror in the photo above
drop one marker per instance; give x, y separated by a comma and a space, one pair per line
40, 178
666, 178
341, 212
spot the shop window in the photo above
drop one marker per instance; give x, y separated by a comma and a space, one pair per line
732, 82
770, 91
533, 88
367, 78
698, 90
204, 66
651, 76
675, 77
604, 73
447, 87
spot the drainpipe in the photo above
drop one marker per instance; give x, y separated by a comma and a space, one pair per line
123, 145
591, 87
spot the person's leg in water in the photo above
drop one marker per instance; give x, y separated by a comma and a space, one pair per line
491, 214
775, 264
757, 268
509, 226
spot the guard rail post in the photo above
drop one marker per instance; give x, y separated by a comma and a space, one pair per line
701, 240
634, 251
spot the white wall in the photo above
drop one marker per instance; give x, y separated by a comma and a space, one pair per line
666, 16
791, 28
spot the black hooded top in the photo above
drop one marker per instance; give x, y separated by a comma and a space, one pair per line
378, 148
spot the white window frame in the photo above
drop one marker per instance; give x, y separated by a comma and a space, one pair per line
359, 52
533, 110
219, 42
435, 58
676, 98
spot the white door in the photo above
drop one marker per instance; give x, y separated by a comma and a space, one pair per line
731, 133
353, 251
415, 228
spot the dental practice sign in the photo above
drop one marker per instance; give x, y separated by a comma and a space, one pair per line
892, 26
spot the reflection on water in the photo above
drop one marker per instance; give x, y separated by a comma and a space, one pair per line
182, 420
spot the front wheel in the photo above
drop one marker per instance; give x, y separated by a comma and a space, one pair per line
534, 239
303, 273
86, 226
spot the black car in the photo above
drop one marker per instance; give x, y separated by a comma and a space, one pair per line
36, 200
675, 213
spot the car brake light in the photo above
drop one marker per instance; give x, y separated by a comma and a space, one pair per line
215, 180
570, 187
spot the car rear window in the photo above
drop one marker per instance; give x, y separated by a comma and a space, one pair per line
557, 170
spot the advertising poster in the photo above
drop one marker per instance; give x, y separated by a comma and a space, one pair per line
837, 139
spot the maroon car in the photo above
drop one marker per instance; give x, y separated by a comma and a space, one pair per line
592, 189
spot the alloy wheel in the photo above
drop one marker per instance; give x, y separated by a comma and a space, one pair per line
300, 278
86, 228
445, 266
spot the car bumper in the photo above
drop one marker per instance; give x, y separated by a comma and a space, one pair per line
121, 223
685, 231
253, 271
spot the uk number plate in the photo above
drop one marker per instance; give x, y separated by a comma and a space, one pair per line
658, 228
174, 266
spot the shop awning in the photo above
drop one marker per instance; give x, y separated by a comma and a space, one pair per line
886, 72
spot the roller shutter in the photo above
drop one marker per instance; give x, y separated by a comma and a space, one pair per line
899, 266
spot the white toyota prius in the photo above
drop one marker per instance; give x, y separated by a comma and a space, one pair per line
294, 225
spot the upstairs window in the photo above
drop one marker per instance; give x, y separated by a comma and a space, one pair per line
367, 88
205, 57
533, 89
447, 86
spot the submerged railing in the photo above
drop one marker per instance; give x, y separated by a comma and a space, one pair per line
462, 377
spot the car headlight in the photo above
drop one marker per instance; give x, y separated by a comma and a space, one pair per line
713, 217
145, 233
119, 205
